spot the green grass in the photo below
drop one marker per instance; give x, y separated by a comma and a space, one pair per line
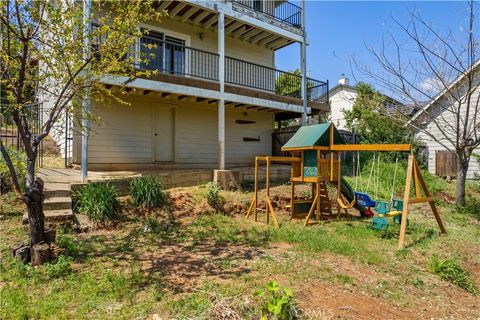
451, 270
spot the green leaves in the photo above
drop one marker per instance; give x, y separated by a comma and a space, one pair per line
148, 192
98, 201
277, 301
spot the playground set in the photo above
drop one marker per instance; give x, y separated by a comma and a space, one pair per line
316, 153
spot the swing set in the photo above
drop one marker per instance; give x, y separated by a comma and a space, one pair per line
316, 153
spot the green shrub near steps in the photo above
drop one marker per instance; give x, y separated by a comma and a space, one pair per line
98, 201
19, 163
148, 192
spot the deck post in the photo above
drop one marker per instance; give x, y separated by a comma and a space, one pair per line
303, 66
221, 101
87, 8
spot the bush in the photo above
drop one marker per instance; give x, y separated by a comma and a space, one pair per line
451, 270
214, 198
277, 302
148, 192
19, 161
98, 201
471, 207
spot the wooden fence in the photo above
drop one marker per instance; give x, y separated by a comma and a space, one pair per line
445, 163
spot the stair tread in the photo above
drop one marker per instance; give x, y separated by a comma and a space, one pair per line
51, 186
62, 214
58, 199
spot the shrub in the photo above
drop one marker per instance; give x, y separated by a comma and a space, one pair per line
19, 163
98, 201
148, 192
471, 207
451, 270
59, 268
214, 198
277, 302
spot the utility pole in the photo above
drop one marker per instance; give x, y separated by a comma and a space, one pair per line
303, 65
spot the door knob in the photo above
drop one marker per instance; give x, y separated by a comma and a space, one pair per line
156, 134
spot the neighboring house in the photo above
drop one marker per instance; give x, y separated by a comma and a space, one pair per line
440, 112
176, 117
343, 96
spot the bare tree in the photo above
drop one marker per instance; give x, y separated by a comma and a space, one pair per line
439, 75
42, 59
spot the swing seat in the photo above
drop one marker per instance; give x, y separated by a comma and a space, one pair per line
379, 223
382, 207
345, 206
397, 204
364, 199
398, 220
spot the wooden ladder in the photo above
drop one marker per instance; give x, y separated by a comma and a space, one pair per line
323, 198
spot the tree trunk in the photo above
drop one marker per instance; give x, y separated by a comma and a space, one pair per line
34, 201
462, 168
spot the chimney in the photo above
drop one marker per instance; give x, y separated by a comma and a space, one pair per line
343, 80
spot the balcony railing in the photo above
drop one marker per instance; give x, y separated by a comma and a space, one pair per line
283, 11
172, 58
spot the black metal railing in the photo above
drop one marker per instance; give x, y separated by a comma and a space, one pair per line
282, 11
177, 59
9, 134
316, 91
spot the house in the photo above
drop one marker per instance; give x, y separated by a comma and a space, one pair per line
343, 96
437, 115
215, 99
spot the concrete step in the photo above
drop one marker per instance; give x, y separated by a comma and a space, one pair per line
57, 203
51, 190
54, 216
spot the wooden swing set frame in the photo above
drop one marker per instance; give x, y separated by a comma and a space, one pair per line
413, 179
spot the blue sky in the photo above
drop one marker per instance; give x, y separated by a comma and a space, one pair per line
337, 30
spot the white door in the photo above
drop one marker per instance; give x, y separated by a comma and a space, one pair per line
164, 133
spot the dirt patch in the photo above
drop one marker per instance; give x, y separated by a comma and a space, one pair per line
320, 301
183, 266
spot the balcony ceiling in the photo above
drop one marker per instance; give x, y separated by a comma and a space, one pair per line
200, 17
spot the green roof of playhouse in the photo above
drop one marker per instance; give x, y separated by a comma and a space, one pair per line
315, 135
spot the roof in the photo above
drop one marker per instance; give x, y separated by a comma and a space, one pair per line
442, 93
315, 135
341, 86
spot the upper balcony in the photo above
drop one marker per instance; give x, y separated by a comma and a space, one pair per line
282, 11
178, 60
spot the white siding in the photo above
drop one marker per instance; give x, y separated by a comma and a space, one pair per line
340, 100
445, 119
125, 134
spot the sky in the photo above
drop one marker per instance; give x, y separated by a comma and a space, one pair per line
339, 30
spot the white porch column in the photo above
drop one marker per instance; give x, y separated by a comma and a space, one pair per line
303, 66
221, 101
87, 8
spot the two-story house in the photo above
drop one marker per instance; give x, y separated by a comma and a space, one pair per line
216, 96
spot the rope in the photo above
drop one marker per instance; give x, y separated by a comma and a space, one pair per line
370, 175
378, 176
358, 172
394, 177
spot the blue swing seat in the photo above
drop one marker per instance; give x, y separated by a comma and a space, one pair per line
364, 199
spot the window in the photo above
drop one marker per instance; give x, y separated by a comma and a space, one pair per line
163, 52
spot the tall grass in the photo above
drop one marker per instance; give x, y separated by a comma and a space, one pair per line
148, 192
98, 201
451, 270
